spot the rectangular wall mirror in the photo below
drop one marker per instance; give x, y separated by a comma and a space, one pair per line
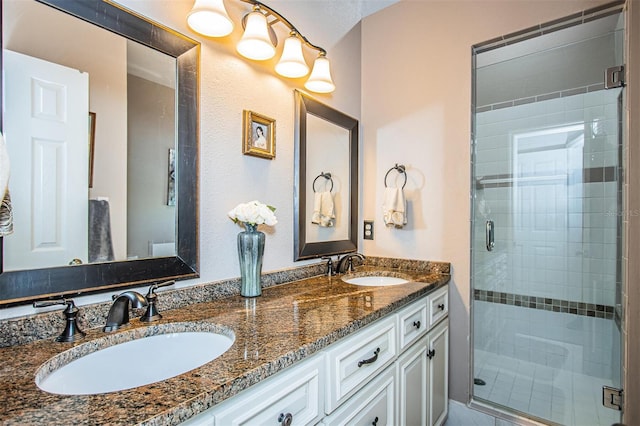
326, 176
111, 88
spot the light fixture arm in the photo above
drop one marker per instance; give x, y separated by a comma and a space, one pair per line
285, 21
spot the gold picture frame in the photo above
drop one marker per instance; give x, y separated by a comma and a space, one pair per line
258, 135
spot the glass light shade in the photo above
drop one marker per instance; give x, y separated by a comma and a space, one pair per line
292, 62
210, 18
320, 80
255, 42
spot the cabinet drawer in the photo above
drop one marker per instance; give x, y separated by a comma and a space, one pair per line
374, 404
413, 322
352, 362
438, 305
296, 392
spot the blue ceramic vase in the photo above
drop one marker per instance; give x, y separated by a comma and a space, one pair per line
250, 253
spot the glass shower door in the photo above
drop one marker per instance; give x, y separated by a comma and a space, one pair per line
546, 239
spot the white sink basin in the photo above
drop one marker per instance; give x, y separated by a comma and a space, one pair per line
376, 281
133, 363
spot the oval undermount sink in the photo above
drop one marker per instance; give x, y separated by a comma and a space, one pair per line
376, 280
133, 363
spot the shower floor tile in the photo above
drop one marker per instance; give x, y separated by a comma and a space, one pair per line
564, 397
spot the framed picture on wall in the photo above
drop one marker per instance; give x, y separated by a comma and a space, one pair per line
258, 135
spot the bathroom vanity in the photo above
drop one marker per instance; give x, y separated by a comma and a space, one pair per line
391, 372
294, 359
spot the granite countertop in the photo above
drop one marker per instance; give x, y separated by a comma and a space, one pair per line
286, 324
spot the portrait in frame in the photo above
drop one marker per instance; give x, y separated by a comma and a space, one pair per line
258, 135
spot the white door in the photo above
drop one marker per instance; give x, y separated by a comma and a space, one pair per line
46, 129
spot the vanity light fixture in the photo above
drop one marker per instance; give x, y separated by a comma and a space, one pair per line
210, 18
320, 79
292, 63
255, 42
259, 41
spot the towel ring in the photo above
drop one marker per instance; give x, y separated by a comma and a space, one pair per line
400, 169
327, 176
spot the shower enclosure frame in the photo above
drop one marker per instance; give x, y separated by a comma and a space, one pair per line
575, 19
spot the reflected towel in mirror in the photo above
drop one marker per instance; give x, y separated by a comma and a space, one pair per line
323, 209
100, 244
6, 212
394, 207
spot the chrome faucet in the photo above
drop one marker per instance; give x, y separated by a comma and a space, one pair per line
345, 264
119, 312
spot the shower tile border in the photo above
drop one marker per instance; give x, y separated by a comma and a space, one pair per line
589, 175
541, 98
545, 303
550, 26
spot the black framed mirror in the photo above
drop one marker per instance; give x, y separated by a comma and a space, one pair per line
326, 172
26, 285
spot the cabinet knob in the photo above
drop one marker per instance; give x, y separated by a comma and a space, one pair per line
431, 353
416, 324
285, 419
375, 421
441, 306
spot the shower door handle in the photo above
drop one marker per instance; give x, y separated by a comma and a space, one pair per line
489, 235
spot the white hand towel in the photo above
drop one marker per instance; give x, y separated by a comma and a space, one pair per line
327, 212
323, 209
394, 207
6, 211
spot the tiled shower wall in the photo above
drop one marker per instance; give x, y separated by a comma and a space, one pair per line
556, 228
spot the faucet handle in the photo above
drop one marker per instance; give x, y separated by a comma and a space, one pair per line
152, 313
71, 331
330, 270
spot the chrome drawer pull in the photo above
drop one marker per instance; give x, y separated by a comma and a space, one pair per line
374, 358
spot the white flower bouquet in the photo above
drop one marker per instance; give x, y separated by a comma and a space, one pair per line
254, 213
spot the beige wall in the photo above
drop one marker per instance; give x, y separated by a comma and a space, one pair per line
416, 97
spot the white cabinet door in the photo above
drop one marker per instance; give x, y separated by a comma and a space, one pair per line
413, 384
438, 373
375, 404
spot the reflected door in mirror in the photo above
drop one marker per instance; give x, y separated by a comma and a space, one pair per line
46, 130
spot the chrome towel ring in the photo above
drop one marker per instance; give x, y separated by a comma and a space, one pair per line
400, 169
327, 176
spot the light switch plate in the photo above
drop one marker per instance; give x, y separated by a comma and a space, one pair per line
368, 230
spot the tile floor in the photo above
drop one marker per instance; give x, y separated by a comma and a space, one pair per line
565, 397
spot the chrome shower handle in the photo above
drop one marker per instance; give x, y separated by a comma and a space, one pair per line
489, 235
